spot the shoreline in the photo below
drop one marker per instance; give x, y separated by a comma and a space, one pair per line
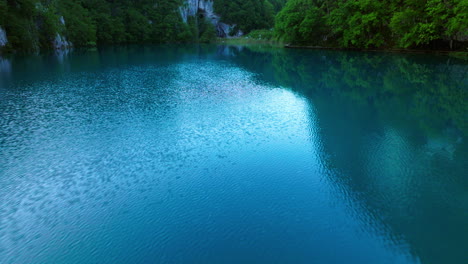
444, 52
251, 41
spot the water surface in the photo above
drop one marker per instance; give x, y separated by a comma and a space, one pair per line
218, 154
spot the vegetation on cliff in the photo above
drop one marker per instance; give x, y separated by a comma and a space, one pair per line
249, 15
32, 25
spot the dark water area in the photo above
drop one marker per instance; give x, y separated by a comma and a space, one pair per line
232, 154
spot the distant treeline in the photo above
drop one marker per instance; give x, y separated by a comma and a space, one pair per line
431, 24
32, 25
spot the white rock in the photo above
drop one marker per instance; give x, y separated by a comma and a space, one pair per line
61, 42
3, 37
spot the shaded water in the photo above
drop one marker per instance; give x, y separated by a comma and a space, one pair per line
223, 154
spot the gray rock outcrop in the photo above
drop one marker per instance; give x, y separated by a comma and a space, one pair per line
60, 42
3, 38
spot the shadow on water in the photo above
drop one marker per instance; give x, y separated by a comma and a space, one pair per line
393, 127
28, 69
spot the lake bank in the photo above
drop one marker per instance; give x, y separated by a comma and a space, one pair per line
460, 54
247, 41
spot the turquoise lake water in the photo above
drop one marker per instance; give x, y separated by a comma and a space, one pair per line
231, 154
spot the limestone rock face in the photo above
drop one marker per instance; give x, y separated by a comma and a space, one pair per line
3, 38
204, 8
60, 42
62, 20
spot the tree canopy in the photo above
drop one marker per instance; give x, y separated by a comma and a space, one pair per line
33, 24
249, 14
375, 24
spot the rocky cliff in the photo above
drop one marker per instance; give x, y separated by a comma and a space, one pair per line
204, 9
61, 42
3, 38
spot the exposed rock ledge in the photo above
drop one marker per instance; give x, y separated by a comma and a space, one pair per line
3, 38
60, 42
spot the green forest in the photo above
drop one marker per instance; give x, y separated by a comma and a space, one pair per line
249, 15
431, 24
32, 25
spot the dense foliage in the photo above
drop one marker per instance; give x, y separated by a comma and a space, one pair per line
31, 25
375, 24
249, 14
